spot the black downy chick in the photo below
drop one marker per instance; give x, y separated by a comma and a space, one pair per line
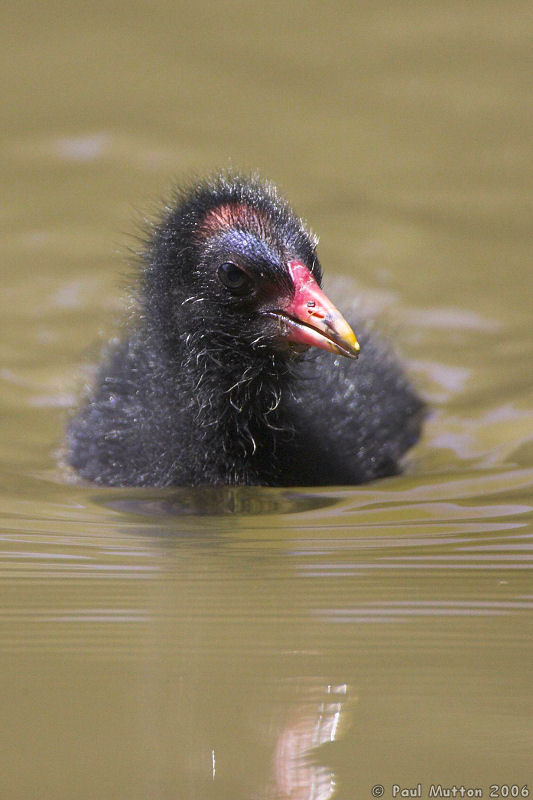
239, 369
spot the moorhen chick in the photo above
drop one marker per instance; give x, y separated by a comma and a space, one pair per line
239, 370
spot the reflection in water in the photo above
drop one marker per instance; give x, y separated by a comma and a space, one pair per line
298, 772
200, 649
216, 500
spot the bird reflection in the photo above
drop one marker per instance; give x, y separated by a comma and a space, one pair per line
298, 771
216, 500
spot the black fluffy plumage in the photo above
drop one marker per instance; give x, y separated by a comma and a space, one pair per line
204, 392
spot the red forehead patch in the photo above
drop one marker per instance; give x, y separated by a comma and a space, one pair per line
230, 215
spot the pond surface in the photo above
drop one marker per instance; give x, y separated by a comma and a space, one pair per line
272, 644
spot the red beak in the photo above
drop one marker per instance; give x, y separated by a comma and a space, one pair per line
311, 319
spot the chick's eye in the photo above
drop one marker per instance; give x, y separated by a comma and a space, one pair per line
234, 278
